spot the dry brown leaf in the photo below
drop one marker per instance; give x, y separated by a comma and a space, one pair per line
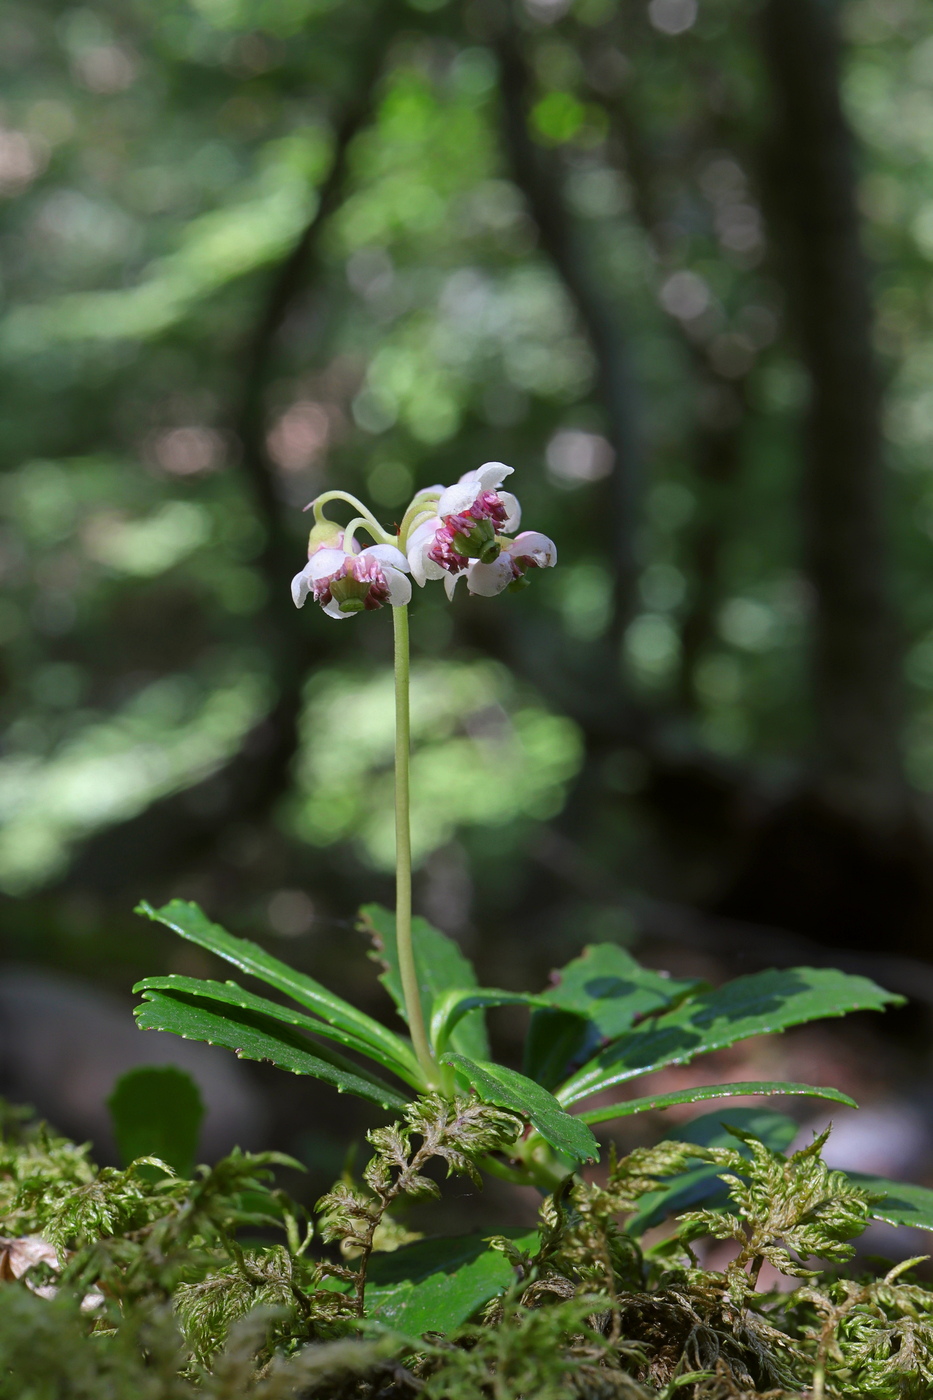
18, 1255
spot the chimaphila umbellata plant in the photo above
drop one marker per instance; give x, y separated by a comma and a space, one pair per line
604, 1022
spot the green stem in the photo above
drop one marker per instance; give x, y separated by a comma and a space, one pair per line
358, 524
424, 505
372, 524
406, 952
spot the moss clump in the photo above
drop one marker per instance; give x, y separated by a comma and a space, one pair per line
139, 1285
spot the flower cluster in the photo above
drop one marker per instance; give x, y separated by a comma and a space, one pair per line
460, 531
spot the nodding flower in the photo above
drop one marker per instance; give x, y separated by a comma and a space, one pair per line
470, 517
345, 584
529, 550
447, 532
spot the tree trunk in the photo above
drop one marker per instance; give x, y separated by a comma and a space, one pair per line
538, 175
810, 180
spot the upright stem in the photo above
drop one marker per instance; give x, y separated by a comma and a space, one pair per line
406, 952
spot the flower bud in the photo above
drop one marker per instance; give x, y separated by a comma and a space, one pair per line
325, 534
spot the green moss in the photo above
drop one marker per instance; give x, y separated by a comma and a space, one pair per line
163, 1291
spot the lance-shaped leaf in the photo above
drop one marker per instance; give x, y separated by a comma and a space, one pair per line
607, 986
740, 1089
190, 922
450, 1007
903, 1203
440, 965
233, 995
702, 1185
756, 1005
255, 1036
506, 1088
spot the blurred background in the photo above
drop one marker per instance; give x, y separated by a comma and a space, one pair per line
670, 261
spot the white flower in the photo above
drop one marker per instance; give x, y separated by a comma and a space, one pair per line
345, 584
473, 486
470, 516
529, 550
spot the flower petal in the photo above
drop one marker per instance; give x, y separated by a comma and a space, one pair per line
513, 515
489, 579
491, 474
451, 581
419, 542
458, 498
333, 610
387, 554
301, 587
399, 587
531, 544
325, 562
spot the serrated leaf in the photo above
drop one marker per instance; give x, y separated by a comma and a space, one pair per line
755, 1005
157, 1111
440, 965
506, 1088
233, 995
739, 1089
555, 1041
612, 990
903, 1204
191, 922
450, 1007
702, 1185
254, 1036
436, 1285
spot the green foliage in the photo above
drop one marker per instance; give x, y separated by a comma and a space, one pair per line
157, 1112
900, 1202
50, 1350
436, 1285
642, 1021
701, 1184
37, 1169
607, 986
255, 1035
334, 1016
712, 1020
700, 1093
873, 1338
554, 1352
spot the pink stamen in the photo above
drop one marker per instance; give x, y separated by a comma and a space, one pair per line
364, 570
489, 506
442, 551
